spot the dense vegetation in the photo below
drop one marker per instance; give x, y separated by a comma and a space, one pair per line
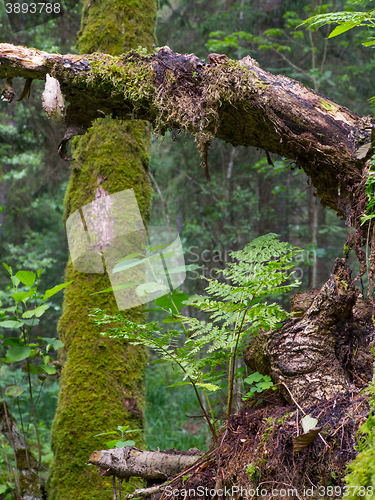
250, 193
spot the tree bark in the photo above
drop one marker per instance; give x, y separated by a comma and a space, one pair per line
151, 465
323, 351
102, 382
27, 481
234, 101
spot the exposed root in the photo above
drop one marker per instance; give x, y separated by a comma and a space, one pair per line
257, 451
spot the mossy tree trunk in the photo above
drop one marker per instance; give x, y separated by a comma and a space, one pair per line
102, 382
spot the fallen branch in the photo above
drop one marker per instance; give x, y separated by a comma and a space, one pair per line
144, 492
152, 465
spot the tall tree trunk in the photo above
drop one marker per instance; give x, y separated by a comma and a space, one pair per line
102, 381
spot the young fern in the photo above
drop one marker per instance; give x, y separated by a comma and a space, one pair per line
237, 309
345, 20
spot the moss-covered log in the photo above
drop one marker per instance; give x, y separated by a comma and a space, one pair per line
236, 101
26, 478
102, 383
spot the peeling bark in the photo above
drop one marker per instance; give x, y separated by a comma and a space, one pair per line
26, 464
233, 100
151, 465
311, 356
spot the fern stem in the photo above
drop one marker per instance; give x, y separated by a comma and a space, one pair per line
209, 406
206, 416
232, 365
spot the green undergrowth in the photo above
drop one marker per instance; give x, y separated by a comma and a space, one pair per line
361, 478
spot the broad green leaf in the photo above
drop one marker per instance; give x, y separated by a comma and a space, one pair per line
5, 360
14, 391
10, 309
22, 296
111, 444
254, 377
308, 423
26, 277
3, 488
29, 368
122, 267
15, 281
105, 433
125, 428
51, 370
130, 256
176, 296
31, 322
39, 311
55, 290
55, 343
121, 444
159, 247
151, 287
165, 255
342, 28
39, 272
18, 353
11, 324
13, 341
180, 269
8, 268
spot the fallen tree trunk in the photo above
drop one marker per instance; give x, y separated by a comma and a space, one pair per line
151, 465
235, 101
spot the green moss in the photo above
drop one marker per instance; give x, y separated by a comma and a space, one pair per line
346, 251
102, 380
273, 424
328, 105
115, 26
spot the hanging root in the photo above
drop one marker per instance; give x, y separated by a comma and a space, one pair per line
203, 147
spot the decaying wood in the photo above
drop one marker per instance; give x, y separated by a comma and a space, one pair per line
27, 465
311, 356
151, 465
235, 101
